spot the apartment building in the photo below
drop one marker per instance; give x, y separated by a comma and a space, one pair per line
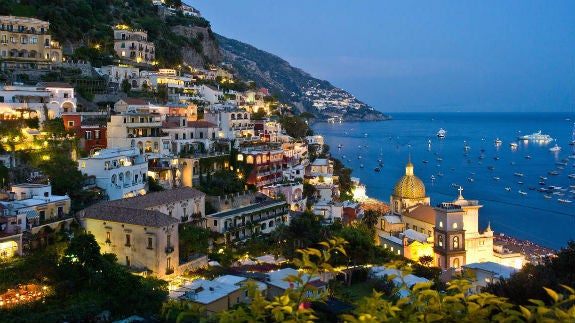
132, 45
26, 44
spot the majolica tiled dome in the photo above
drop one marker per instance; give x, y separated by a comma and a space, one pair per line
409, 186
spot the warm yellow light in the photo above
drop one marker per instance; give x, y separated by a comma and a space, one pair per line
46, 157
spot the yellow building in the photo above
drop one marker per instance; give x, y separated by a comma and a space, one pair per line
143, 240
26, 44
133, 45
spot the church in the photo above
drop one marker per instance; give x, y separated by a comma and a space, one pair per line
448, 232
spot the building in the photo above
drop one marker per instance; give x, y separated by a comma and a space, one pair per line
485, 273
89, 127
145, 241
330, 211
132, 45
408, 192
292, 193
141, 130
248, 219
27, 44
30, 208
266, 162
143, 231
120, 172
233, 124
27, 102
190, 136
132, 105
278, 283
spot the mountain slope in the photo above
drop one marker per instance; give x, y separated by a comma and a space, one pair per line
292, 85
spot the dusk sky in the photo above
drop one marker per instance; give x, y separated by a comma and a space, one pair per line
419, 55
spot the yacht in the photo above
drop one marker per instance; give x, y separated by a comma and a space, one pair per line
564, 201
498, 142
508, 188
441, 133
536, 136
496, 178
518, 174
513, 145
522, 192
553, 172
377, 169
555, 148
547, 197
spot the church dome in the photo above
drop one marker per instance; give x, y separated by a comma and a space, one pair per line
409, 186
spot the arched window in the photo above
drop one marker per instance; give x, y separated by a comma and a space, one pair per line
455, 242
454, 225
440, 240
114, 179
456, 263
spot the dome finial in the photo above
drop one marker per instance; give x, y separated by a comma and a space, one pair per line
460, 189
409, 166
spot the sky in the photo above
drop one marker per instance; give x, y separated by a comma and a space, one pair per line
413, 56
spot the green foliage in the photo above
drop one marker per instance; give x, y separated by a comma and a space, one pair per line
54, 128
193, 239
154, 186
295, 126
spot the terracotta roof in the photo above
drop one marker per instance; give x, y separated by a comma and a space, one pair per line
157, 198
141, 217
134, 101
423, 213
169, 124
201, 124
55, 84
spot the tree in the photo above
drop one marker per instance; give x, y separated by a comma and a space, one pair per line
126, 86
63, 174
54, 127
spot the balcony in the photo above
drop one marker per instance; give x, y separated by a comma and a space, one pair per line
169, 250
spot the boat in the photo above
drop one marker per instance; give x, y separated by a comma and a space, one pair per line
572, 143
527, 157
496, 178
571, 175
571, 156
513, 145
520, 183
564, 201
377, 169
441, 133
547, 197
542, 183
439, 158
469, 179
543, 177
440, 174
425, 161
555, 148
432, 177
498, 142
508, 188
536, 136
522, 192
496, 157
360, 165
518, 174
553, 172
490, 167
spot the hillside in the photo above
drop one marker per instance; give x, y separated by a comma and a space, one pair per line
292, 85
79, 25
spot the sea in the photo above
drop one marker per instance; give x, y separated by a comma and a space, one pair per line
476, 154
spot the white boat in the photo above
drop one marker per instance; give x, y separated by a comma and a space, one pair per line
536, 136
498, 142
496, 178
572, 143
508, 188
571, 175
547, 197
555, 148
441, 133
518, 174
513, 145
522, 192
564, 201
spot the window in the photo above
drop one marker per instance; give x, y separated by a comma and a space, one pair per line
440, 240
215, 223
97, 134
108, 237
169, 240
128, 261
4, 39
441, 224
455, 242
150, 243
88, 135
34, 40
83, 164
70, 123
454, 225
128, 240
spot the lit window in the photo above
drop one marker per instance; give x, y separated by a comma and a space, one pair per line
455, 242
454, 225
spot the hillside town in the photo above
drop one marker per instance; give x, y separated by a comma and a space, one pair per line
162, 149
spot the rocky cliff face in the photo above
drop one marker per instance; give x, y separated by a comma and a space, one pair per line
204, 50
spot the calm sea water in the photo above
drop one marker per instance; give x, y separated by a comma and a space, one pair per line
486, 171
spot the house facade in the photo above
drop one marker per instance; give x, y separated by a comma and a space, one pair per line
26, 44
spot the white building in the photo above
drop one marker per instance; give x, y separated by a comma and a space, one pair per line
190, 136
233, 124
485, 273
121, 172
138, 130
27, 102
330, 211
